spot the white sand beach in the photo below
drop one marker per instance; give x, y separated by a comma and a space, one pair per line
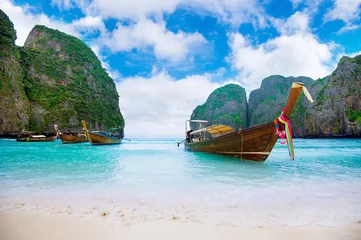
17, 225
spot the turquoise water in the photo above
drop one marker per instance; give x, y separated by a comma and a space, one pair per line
144, 180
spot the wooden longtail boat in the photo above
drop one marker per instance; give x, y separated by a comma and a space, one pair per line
36, 138
70, 138
112, 136
254, 143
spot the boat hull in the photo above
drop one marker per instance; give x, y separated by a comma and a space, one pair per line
255, 143
66, 139
48, 139
99, 139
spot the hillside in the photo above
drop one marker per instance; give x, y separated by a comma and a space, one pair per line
226, 105
337, 109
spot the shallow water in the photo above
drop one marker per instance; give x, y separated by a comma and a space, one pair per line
144, 180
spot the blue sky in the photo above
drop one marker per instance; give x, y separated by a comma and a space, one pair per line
166, 57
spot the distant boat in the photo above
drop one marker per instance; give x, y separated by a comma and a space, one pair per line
112, 136
254, 143
36, 138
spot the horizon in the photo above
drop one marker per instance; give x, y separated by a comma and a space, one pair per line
166, 58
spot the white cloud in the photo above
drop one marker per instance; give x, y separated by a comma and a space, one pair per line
89, 24
345, 10
63, 4
234, 12
312, 5
354, 54
298, 22
131, 9
146, 34
297, 52
348, 27
68, 4
159, 106
166, 44
24, 21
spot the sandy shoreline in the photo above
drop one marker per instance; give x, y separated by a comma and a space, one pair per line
18, 225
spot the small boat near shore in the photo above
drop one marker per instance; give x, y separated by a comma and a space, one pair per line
112, 136
36, 138
254, 143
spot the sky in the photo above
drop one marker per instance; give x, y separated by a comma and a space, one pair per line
166, 57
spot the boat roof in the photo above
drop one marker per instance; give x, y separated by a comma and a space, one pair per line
215, 129
114, 129
199, 121
38, 136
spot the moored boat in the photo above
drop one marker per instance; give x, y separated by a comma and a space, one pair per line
254, 143
36, 138
112, 136
70, 138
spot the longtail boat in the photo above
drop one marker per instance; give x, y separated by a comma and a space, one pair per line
71, 138
254, 143
36, 138
112, 136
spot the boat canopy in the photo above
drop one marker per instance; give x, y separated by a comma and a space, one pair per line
214, 129
114, 129
38, 136
199, 121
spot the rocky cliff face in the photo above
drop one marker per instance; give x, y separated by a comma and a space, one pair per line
337, 109
266, 103
14, 105
58, 80
226, 105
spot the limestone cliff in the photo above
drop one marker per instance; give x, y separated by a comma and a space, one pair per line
337, 109
266, 103
226, 105
56, 78
14, 106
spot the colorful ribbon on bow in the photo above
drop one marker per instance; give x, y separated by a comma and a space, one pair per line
288, 134
280, 133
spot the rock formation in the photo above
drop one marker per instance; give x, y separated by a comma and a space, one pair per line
226, 105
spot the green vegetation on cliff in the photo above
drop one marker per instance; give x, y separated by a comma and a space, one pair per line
337, 107
226, 105
7, 34
13, 103
66, 82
